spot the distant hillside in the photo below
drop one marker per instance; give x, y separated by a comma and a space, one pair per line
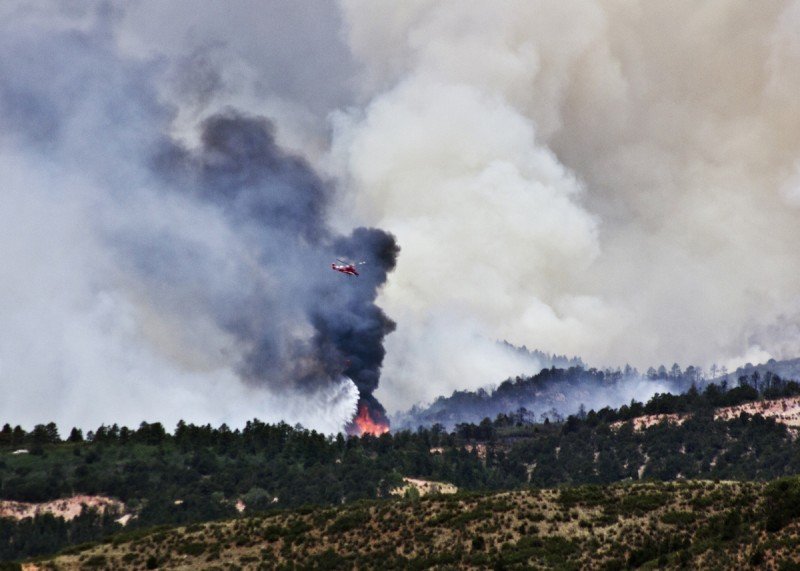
689, 525
552, 393
567, 384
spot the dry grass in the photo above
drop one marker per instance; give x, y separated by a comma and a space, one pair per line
424, 487
68, 508
668, 524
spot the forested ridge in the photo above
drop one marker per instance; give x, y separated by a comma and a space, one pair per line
556, 392
198, 473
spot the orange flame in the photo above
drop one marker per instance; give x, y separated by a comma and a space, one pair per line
364, 424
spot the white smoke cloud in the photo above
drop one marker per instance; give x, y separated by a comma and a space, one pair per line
614, 180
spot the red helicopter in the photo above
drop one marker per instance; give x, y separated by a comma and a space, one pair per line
348, 268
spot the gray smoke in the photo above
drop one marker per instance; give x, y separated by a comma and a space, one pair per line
282, 202
149, 276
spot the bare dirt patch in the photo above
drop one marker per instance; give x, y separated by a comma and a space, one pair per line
68, 508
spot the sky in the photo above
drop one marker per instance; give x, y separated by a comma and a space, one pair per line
614, 180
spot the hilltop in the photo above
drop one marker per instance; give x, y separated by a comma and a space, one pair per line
699, 524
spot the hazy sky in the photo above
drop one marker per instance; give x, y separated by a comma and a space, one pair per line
615, 180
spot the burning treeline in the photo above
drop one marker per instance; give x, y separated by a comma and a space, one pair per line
302, 326
370, 419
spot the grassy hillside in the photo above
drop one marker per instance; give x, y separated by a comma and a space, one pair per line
695, 524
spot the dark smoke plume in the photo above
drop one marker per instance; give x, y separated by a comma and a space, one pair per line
279, 198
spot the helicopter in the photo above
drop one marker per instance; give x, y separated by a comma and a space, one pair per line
346, 267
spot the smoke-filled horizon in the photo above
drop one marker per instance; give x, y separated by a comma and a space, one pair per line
617, 181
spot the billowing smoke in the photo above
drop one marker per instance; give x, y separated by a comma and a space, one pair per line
611, 180
614, 180
281, 202
147, 276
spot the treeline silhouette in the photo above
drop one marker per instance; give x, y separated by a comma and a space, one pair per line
551, 393
556, 392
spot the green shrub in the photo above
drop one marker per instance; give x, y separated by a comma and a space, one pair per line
782, 502
349, 520
642, 503
194, 548
585, 495
678, 518
95, 561
329, 559
478, 543
274, 532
